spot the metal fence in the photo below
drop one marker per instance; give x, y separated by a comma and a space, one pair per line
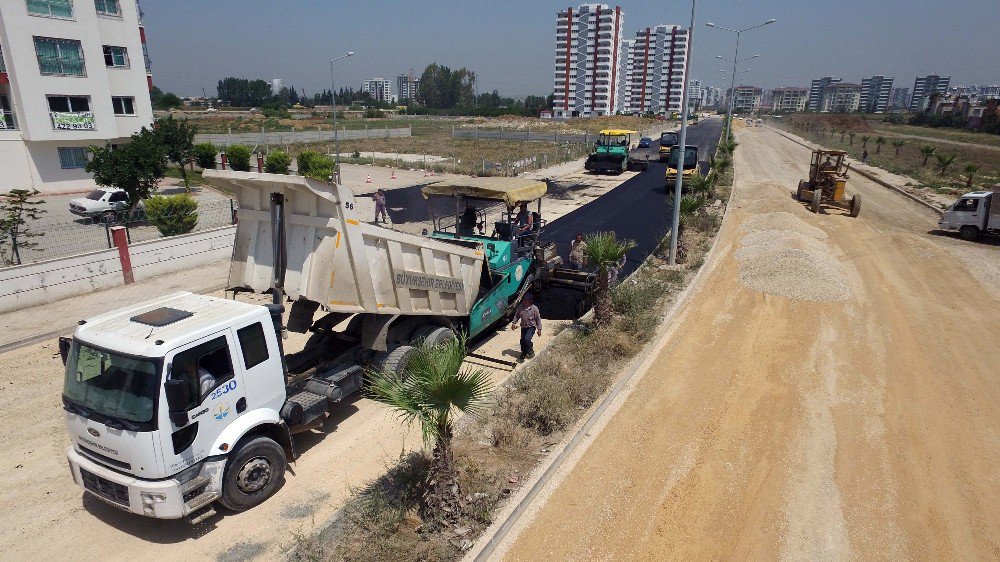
265, 137
528, 135
89, 235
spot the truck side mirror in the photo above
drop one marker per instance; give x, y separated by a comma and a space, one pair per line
64, 345
178, 397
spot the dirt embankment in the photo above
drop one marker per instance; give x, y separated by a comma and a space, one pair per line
779, 422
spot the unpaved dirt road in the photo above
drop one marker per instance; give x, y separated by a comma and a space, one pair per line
775, 427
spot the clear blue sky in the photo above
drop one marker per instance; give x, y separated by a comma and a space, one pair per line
194, 43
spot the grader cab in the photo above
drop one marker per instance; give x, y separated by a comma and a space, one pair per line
827, 182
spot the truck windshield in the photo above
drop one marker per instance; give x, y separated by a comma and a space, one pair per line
111, 384
690, 157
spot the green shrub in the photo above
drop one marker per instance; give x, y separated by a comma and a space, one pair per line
276, 113
172, 214
315, 165
239, 157
204, 155
277, 162
305, 160
374, 113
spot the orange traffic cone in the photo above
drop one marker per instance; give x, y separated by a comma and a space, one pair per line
393, 175
368, 179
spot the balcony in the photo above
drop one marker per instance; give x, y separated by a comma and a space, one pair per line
72, 120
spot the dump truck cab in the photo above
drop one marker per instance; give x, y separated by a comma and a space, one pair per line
503, 218
611, 151
691, 167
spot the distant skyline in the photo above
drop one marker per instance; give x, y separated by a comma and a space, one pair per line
511, 45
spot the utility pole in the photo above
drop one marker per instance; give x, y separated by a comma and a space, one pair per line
681, 148
333, 102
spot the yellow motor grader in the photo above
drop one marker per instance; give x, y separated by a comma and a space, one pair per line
826, 183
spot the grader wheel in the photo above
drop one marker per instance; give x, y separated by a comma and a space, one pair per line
798, 192
817, 199
855, 205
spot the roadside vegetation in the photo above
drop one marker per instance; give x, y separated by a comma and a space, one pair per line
939, 166
495, 451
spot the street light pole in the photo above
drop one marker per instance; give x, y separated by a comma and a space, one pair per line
736, 56
675, 224
333, 102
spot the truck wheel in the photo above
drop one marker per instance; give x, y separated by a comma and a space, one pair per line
393, 360
968, 232
253, 474
798, 192
817, 198
855, 205
433, 335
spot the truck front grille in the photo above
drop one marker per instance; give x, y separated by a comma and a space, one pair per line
105, 488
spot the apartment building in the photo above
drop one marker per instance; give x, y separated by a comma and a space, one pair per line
73, 73
924, 87
790, 99
380, 89
659, 70
406, 86
625, 71
694, 95
588, 60
875, 94
747, 99
713, 97
817, 90
841, 97
900, 98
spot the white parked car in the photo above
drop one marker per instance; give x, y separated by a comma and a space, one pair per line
105, 204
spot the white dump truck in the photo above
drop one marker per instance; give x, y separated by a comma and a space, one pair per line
185, 401
972, 214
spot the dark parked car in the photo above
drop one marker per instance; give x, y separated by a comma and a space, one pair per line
645, 142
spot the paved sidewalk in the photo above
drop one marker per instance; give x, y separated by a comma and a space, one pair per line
52, 319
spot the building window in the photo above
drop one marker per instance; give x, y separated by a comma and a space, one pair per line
60, 57
108, 7
123, 105
6, 113
55, 8
72, 158
115, 56
69, 104
71, 113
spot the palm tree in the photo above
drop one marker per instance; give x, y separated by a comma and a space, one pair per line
970, 169
604, 251
879, 142
945, 160
851, 135
864, 142
719, 164
430, 389
898, 143
927, 151
842, 133
702, 185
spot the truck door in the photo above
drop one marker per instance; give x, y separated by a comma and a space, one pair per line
215, 385
967, 210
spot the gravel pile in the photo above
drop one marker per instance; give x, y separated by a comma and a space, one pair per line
782, 255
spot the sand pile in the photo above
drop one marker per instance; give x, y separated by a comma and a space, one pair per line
782, 255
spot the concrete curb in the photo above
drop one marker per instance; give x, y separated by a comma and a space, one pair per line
498, 532
870, 176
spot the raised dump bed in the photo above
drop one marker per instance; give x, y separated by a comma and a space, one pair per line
338, 261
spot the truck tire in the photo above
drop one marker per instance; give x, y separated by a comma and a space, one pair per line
798, 192
254, 473
968, 232
817, 199
394, 360
855, 205
433, 335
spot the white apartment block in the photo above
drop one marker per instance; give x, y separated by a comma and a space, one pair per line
73, 73
841, 97
588, 60
875, 94
790, 99
714, 97
924, 87
659, 70
407, 86
694, 95
380, 89
625, 69
747, 99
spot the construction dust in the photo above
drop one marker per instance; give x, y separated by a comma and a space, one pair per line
782, 255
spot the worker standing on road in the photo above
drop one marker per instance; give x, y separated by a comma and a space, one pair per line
864, 157
578, 252
531, 323
380, 208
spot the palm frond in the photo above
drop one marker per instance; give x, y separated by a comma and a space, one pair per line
604, 249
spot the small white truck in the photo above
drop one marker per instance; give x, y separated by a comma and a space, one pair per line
972, 214
187, 400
